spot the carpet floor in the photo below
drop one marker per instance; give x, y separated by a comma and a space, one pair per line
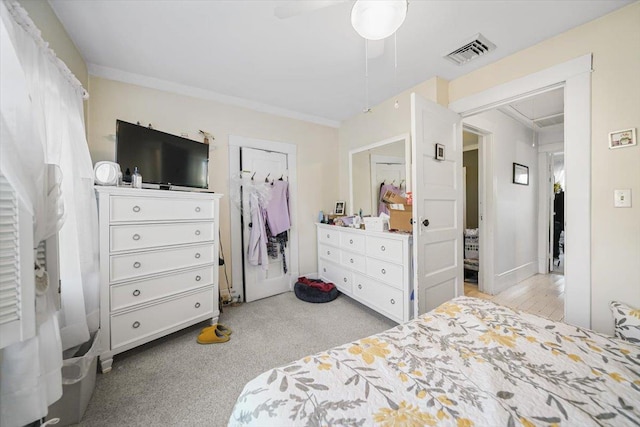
173, 381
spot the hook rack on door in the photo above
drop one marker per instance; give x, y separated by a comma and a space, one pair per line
255, 175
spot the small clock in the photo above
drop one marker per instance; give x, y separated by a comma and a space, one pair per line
106, 173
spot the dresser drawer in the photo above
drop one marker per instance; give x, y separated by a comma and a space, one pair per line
379, 295
387, 249
352, 242
125, 208
330, 253
141, 291
354, 260
337, 275
143, 236
328, 236
122, 267
387, 272
135, 325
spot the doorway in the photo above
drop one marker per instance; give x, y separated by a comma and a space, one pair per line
264, 161
575, 76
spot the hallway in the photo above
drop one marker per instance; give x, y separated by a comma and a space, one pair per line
542, 295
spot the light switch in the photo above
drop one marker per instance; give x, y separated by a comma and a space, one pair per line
622, 198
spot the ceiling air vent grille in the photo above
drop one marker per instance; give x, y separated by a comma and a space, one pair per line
554, 119
478, 46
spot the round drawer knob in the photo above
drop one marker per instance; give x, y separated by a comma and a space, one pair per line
197, 305
324, 270
328, 237
351, 260
198, 278
382, 248
359, 286
197, 208
393, 301
136, 292
136, 208
136, 237
328, 252
351, 241
383, 271
198, 255
197, 232
136, 264
135, 325
345, 280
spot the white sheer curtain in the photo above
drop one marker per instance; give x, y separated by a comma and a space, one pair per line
46, 158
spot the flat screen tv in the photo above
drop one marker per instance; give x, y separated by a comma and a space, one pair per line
161, 158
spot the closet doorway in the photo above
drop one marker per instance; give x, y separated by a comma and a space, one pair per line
254, 165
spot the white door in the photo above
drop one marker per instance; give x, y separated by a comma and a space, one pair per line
437, 204
258, 282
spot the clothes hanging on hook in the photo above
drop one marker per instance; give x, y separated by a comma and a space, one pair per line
382, 206
278, 208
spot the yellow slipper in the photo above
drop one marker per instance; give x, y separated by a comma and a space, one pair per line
212, 337
220, 327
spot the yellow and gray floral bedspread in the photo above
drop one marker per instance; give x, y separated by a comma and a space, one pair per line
467, 363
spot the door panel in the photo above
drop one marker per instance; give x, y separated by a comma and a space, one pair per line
437, 204
258, 281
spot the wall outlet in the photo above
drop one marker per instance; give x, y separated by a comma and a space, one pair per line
622, 198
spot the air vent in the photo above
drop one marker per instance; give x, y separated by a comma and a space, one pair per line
554, 119
478, 46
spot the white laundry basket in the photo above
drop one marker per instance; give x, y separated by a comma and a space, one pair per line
78, 382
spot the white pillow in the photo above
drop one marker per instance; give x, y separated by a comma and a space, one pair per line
626, 322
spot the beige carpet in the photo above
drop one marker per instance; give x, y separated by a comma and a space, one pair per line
176, 382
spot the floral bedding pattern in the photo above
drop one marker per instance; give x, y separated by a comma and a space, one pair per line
467, 363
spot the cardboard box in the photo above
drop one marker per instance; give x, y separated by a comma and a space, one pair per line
391, 197
400, 217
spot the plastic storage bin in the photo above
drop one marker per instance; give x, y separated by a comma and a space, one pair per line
78, 382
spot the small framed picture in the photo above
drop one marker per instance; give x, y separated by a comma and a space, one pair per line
622, 138
340, 208
439, 151
520, 174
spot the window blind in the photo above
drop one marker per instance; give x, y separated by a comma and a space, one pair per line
10, 303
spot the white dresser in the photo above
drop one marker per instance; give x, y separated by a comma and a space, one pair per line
371, 267
158, 264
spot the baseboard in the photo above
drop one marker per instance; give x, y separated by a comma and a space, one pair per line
509, 278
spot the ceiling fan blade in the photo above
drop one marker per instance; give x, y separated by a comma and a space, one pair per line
298, 7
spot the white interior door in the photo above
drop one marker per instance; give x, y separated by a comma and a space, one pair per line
259, 282
437, 204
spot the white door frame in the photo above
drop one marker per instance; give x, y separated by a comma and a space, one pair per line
486, 212
235, 143
575, 76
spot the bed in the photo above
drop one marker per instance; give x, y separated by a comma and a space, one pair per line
469, 362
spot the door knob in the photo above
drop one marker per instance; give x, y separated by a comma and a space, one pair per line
425, 222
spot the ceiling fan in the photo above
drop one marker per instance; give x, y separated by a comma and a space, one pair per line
373, 20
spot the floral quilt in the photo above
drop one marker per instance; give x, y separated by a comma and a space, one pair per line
467, 363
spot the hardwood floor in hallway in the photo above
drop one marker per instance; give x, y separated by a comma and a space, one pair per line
542, 294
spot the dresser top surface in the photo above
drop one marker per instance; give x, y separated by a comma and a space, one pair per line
385, 234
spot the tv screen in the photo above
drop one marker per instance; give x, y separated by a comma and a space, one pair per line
161, 158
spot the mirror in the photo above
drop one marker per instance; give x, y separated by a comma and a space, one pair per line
388, 162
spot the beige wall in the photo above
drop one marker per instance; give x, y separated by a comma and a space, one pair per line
317, 146
614, 41
54, 33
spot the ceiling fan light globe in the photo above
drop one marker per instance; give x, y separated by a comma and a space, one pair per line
378, 19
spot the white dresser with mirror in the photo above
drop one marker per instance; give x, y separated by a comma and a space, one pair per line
158, 264
371, 267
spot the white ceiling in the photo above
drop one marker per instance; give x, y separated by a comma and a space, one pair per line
310, 65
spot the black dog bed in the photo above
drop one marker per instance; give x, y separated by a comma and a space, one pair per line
315, 295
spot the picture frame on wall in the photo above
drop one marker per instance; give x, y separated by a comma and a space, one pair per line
622, 138
520, 174
439, 151
340, 207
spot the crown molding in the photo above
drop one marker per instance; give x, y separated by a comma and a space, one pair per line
172, 87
